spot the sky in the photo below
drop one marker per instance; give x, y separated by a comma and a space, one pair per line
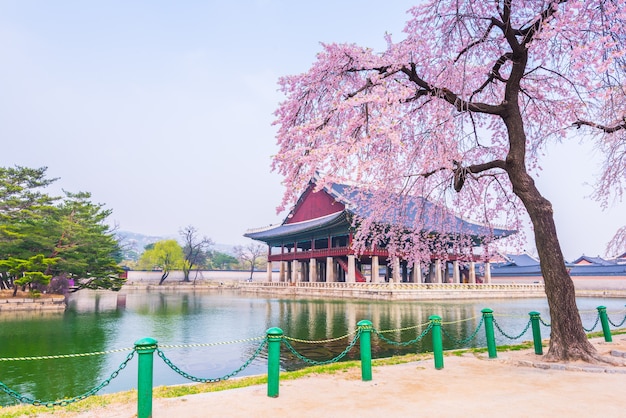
163, 110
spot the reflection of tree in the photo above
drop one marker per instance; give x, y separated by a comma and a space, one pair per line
47, 335
319, 320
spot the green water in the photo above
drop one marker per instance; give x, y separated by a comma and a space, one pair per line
202, 322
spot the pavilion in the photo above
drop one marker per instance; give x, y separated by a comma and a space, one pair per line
314, 242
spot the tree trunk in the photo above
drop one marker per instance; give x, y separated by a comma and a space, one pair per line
163, 277
568, 340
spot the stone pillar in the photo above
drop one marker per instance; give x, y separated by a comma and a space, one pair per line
351, 278
416, 274
304, 271
295, 271
438, 278
487, 272
269, 271
456, 273
281, 272
396, 270
312, 270
472, 272
375, 268
330, 269
289, 271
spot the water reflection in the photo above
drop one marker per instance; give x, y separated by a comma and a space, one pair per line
105, 321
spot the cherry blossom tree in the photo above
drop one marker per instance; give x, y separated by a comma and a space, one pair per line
459, 111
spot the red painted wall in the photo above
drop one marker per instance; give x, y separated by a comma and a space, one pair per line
314, 205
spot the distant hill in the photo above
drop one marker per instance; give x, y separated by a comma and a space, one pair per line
133, 244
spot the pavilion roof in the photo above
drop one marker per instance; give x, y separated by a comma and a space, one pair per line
359, 202
406, 209
334, 221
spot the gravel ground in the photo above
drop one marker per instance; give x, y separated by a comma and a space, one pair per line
516, 384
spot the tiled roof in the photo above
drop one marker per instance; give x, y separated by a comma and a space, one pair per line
408, 208
294, 229
434, 219
593, 260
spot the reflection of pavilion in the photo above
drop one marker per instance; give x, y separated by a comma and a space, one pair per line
315, 241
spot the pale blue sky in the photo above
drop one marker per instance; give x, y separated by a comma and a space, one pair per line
163, 110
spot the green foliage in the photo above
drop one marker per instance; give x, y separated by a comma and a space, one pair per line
67, 236
30, 271
221, 261
166, 255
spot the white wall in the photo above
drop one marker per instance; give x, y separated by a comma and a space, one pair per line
138, 276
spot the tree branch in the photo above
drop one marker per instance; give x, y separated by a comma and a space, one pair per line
447, 95
530, 32
607, 129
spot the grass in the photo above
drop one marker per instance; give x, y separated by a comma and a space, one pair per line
100, 401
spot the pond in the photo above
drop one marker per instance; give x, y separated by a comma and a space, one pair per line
210, 334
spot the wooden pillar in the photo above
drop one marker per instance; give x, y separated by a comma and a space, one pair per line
472, 272
330, 269
456, 273
375, 268
351, 278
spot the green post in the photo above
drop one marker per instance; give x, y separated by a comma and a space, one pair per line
365, 327
491, 339
145, 349
435, 320
534, 320
605, 324
274, 338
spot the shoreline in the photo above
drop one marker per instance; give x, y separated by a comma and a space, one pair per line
23, 302
515, 384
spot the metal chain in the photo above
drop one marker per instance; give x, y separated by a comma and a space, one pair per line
319, 363
319, 341
462, 320
403, 344
405, 328
617, 325
544, 323
58, 356
211, 380
594, 324
457, 342
212, 344
65, 402
509, 336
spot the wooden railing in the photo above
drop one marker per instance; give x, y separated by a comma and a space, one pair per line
325, 252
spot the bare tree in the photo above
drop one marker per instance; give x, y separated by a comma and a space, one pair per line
194, 249
252, 254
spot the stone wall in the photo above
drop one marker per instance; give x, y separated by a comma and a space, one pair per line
28, 304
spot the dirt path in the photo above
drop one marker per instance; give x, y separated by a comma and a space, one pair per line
516, 384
